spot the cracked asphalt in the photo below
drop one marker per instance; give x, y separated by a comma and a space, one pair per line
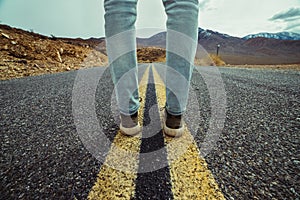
256, 157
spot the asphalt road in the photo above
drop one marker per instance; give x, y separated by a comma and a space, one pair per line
256, 156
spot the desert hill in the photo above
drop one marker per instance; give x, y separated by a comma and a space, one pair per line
24, 53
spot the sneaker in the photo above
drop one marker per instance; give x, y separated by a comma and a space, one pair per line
129, 124
173, 125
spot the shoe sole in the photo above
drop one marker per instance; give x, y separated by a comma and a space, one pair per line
131, 131
172, 132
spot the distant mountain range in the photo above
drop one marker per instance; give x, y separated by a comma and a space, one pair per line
278, 36
252, 49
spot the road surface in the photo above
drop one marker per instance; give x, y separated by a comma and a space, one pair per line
256, 155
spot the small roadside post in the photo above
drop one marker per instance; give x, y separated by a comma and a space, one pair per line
218, 47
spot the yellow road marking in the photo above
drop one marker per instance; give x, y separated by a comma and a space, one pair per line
190, 176
113, 182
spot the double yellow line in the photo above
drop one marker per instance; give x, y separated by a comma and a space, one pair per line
190, 176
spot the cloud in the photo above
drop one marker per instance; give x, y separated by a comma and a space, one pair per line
290, 19
289, 15
293, 26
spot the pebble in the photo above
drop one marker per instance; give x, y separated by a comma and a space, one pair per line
5, 35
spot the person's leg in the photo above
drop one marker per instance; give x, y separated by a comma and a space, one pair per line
182, 40
120, 17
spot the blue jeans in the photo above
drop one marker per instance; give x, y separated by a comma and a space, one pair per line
182, 39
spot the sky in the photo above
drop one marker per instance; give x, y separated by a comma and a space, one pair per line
85, 18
